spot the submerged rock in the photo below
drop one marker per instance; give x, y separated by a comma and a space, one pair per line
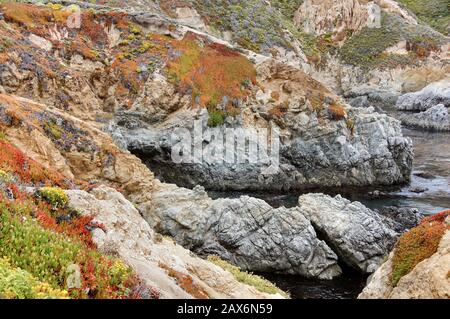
245, 231
357, 234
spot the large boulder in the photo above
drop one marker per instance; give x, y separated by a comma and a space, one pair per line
357, 234
245, 231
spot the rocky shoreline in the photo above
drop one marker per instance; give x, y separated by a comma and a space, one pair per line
92, 118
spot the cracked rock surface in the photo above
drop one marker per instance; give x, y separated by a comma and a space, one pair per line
306, 240
246, 231
357, 234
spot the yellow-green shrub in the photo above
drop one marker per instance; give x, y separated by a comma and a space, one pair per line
16, 283
4, 176
54, 195
250, 279
28, 246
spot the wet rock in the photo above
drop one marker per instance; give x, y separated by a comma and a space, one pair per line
425, 175
418, 190
435, 118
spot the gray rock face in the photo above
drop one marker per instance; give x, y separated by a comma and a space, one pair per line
357, 234
432, 95
251, 234
245, 231
435, 118
400, 219
369, 149
372, 97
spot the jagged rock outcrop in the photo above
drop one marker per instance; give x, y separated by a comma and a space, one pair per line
378, 45
73, 147
246, 231
137, 83
432, 95
257, 237
318, 147
126, 235
429, 279
435, 118
336, 17
357, 234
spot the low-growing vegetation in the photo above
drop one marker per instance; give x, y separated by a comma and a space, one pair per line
42, 238
254, 24
55, 196
435, 13
366, 49
417, 245
213, 73
16, 165
16, 283
250, 279
186, 282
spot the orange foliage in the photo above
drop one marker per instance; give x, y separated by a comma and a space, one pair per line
337, 112
127, 71
277, 111
76, 228
186, 282
275, 96
92, 29
417, 245
212, 72
79, 46
30, 16
12, 160
3, 58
